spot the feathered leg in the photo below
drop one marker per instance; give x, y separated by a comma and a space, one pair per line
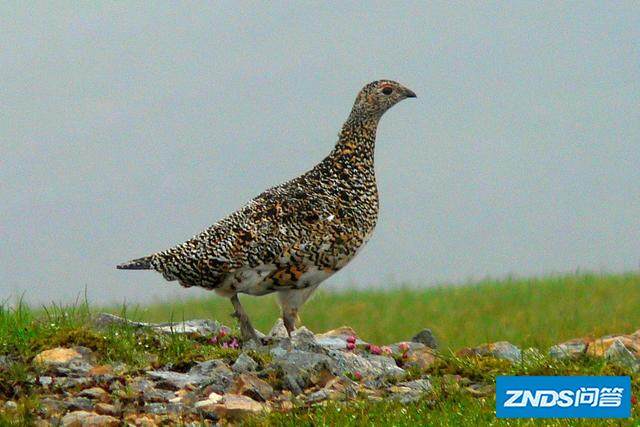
291, 301
246, 329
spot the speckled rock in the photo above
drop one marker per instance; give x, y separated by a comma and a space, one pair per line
88, 419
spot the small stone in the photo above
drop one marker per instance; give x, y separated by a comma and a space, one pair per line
236, 407
45, 381
421, 359
254, 387
337, 338
199, 327
278, 330
570, 349
88, 419
107, 409
301, 369
620, 354
66, 361
426, 337
318, 396
10, 405
95, 393
211, 400
57, 355
155, 408
78, 404
500, 350
244, 363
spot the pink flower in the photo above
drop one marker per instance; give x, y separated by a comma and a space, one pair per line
403, 346
234, 343
213, 340
351, 346
374, 349
386, 350
357, 375
351, 338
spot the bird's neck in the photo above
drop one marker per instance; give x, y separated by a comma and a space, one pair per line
356, 142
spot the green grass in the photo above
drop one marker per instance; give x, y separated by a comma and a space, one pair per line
527, 312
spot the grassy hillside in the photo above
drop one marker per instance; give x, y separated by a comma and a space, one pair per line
528, 312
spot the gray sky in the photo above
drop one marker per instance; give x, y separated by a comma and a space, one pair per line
127, 129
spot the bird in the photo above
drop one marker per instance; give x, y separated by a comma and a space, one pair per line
293, 236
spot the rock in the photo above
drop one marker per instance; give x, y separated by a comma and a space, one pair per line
10, 405
599, 347
141, 420
372, 367
337, 338
481, 390
236, 407
421, 385
304, 340
500, 350
244, 363
212, 372
254, 387
65, 383
421, 359
301, 369
155, 408
278, 330
318, 396
95, 393
211, 400
427, 338
619, 353
407, 345
66, 361
45, 381
570, 349
50, 406
78, 404
88, 419
201, 327
107, 409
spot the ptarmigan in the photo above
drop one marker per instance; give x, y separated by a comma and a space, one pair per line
295, 235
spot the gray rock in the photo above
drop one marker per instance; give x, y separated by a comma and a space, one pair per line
45, 381
372, 367
278, 330
304, 340
10, 405
620, 354
202, 327
212, 372
78, 404
84, 418
301, 369
569, 349
155, 408
65, 383
244, 363
500, 350
427, 338
318, 396
421, 385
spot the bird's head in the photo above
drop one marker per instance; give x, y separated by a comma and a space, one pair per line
377, 97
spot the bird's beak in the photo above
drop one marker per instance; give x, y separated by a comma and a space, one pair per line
408, 93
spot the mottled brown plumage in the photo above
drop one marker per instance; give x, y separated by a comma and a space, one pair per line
293, 236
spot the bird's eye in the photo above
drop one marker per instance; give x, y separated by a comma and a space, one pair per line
387, 90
